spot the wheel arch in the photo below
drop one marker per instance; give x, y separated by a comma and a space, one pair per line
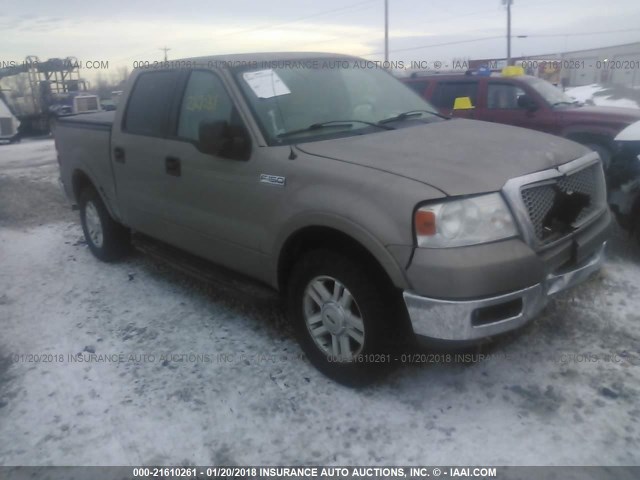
352, 240
603, 138
81, 179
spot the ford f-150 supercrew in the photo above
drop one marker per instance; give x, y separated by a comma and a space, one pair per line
327, 180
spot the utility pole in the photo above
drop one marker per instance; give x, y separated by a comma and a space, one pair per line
386, 30
165, 49
508, 4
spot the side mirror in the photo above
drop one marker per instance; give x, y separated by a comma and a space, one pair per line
221, 139
211, 136
526, 102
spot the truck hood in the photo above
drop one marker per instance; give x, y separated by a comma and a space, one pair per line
458, 157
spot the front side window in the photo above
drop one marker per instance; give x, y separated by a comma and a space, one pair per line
148, 107
551, 94
503, 96
446, 93
205, 100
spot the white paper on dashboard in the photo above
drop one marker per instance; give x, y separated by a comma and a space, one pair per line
266, 83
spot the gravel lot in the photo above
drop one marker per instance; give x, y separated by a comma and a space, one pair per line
198, 376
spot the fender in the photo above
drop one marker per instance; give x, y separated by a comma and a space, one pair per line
589, 130
111, 204
347, 227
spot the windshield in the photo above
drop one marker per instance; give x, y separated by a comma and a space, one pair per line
289, 99
552, 94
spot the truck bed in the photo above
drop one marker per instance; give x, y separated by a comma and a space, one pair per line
95, 120
83, 143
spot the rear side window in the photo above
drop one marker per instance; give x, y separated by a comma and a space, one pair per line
446, 93
147, 111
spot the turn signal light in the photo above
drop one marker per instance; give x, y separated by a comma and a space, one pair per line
425, 223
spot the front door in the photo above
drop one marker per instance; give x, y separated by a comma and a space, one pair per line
502, 107
217, 200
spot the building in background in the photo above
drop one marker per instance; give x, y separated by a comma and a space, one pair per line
617, 65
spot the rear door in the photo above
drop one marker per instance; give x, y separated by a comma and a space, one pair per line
446, 92
138, 145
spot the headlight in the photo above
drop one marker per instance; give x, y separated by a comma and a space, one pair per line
469, 221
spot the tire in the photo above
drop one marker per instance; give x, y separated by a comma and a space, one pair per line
604, 152
349, 308
106, 238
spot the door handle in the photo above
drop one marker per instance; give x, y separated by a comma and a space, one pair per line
172, 166
118, 154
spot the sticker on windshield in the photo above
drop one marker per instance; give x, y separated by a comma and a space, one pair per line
266, 83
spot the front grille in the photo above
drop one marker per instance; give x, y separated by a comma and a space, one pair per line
582, 194
6, 127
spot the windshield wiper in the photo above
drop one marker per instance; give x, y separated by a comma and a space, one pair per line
332, 124
409, 114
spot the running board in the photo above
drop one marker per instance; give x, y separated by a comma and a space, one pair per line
202, 269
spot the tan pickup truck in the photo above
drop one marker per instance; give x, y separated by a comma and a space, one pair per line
332, 183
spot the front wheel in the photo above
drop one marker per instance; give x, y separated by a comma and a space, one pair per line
340, 310
106, 238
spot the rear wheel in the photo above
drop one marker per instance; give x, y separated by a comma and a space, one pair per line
106, 238
340, 310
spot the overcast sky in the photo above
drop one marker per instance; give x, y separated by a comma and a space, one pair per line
124, 31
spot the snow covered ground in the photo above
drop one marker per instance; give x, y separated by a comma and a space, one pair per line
596, 94
175, 372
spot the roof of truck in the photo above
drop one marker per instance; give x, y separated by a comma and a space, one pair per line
263, 57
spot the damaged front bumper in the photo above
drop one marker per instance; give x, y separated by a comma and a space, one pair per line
464, 320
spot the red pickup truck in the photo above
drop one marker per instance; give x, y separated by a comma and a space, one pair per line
525, 101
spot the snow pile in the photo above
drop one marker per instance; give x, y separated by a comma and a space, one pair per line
33, 158
600, 95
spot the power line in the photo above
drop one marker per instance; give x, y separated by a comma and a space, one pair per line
585, 33
436, 45
266, 27
299, 19
501, 36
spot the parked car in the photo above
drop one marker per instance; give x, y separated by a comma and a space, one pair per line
8, 124
526, 101
624, 180
345, 192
